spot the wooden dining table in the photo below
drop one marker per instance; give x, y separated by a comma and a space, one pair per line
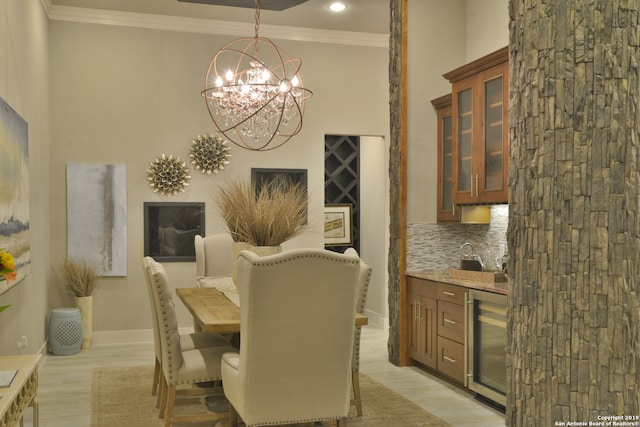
214, 312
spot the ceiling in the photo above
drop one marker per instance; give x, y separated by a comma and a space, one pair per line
366, 16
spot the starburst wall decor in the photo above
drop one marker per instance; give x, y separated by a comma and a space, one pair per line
168, 175
209, 153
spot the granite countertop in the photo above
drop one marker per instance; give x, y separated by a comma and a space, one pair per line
444, 276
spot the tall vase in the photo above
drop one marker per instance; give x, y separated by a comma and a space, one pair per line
237, 248
265, 250
85, 305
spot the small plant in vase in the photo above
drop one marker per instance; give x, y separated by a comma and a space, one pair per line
262, 219
81, 277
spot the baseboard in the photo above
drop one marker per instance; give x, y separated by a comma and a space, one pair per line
102, 338
133, 336
376, 320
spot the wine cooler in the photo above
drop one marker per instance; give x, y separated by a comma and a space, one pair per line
486, 358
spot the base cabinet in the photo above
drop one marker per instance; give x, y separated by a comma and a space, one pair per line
451, 359
436, 325
422, 323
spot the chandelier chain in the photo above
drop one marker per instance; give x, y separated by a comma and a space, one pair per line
257, 17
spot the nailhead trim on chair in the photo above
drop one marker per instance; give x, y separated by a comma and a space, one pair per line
262, 262
171, 374
309, 420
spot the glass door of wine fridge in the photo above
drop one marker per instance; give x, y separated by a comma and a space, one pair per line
487, 326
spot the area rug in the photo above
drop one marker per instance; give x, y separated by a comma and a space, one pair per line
121, 397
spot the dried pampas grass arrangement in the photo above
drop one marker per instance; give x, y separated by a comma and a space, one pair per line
275, 214
79, 276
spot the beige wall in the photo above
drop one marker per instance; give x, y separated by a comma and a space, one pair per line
24, 84
127, 95
436, 43
441, 37
487, 27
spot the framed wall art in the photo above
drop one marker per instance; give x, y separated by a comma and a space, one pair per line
170, 230
14, 193
337, 225
97, 216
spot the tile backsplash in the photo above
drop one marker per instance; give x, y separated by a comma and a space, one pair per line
437, 246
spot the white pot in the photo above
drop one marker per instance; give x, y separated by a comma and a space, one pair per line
85, 305
265, 250
237, 248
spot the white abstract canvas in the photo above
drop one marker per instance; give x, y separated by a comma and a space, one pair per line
97, 216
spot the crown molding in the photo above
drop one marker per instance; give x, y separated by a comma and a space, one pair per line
46, 5
210, 26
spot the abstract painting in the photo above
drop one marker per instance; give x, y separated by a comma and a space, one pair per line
14, 191
97, 216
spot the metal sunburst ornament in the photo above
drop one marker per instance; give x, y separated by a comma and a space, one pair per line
168, 175
209, 153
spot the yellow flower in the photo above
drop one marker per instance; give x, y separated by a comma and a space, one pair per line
7, 266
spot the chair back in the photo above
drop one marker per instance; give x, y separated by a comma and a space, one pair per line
213, 255
297, 312
146, 263
167, 321
364, 277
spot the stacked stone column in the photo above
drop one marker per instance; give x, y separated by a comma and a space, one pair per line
574, 231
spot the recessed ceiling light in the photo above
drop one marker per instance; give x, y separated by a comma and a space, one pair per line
337, 6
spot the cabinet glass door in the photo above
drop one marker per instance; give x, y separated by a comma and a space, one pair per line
447, 165
493, 135
464, 117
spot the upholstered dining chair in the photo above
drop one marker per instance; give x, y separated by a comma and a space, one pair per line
213, 260
364, 277
297, 314
187, 341
182, 367
213, 255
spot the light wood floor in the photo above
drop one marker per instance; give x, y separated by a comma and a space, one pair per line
65, 384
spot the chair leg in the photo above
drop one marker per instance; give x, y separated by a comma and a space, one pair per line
342, 422
171, 398
233, 416
162, 397
157, 372
355, 381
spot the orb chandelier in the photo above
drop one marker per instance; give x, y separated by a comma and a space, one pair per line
254, 92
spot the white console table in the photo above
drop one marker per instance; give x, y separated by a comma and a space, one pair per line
23, 390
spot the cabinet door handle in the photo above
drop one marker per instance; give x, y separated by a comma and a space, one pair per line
453, 322
471, 183
448, 359
477, 179
417, 304
449, 294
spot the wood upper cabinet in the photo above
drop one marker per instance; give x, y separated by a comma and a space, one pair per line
480, 92
447, 211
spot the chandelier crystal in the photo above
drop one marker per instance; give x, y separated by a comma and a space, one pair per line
254, 92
